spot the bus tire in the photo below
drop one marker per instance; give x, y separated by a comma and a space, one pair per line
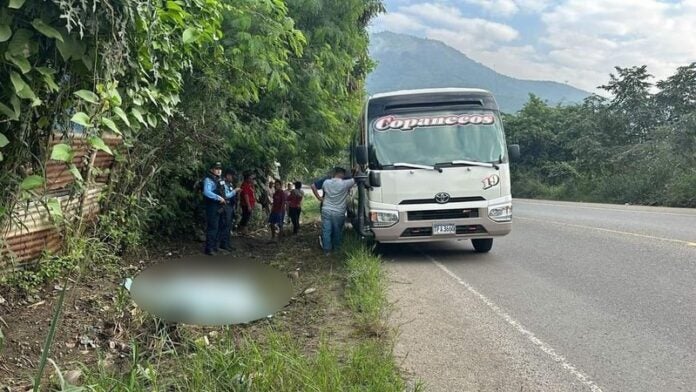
482, 245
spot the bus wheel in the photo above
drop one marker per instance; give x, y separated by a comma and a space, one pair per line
482, 245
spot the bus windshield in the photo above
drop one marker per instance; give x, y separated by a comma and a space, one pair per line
437, 137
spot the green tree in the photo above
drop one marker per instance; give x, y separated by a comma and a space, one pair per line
633, 101
677, 95
287, 87
248, 82
638, 146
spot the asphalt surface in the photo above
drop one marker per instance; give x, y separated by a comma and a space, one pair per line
580, 297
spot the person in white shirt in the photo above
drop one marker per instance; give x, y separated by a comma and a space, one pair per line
333, 210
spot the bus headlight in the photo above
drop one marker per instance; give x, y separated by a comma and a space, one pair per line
500, 213
383, 218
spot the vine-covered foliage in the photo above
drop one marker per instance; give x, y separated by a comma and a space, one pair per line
91, 67
185, 82
637, 147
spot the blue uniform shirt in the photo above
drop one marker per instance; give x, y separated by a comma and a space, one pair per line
229, 191
209, 190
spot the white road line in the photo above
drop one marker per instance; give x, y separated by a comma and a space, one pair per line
582, 377
652, 237
534, 203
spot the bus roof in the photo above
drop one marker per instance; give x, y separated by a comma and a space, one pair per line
427, 91
379, 104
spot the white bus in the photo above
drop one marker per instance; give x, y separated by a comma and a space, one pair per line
436, 167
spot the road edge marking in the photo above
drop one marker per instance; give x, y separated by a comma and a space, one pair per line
574, 205
580, 376
652, 237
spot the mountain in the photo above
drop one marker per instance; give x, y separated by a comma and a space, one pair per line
406, 62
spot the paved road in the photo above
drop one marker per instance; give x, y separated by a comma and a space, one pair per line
580, 297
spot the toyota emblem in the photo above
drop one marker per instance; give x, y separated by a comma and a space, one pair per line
442, 197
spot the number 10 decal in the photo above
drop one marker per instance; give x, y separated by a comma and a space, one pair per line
491, 181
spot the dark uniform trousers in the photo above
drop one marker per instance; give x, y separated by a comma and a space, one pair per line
215, 218
226, 224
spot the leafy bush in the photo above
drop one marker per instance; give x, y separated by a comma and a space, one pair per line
79, 253
639, 147
681, 188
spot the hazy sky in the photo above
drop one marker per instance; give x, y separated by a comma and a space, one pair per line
574, 41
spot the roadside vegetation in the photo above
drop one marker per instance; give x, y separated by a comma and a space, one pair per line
638, 147
278, 364
310, 208
183, 84
366, 290
333, 336
250, 84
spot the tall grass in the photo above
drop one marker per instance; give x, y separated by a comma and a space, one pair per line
278, 364
78, 251
48, 342
366, 288
310, 208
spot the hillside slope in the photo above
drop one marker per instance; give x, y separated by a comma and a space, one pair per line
406, 62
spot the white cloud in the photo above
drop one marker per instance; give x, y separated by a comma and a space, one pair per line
447, 24
399, 23
533, 5
594, 35
499, 7
507, 8
580, 41
440, 16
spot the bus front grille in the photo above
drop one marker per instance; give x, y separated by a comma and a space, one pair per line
442, 214
428, 231
452, 200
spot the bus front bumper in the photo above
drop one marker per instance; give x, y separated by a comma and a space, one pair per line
435, 222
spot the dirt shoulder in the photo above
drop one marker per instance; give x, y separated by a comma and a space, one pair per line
451, 340
100, 323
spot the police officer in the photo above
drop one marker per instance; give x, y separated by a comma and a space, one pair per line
214, 195
228, 210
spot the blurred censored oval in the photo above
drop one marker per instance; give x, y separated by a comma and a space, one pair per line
211, 291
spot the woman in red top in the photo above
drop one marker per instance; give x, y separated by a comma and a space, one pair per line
295, 206
247, 201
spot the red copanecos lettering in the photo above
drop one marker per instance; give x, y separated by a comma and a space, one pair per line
406, 124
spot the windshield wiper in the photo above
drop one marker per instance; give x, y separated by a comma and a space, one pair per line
416, 166
470, 163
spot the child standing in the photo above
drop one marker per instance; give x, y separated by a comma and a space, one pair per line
277, 215
288, 190
295, 206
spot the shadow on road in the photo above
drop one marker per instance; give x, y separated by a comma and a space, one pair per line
460, 251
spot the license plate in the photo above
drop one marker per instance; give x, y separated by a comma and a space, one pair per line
444, 228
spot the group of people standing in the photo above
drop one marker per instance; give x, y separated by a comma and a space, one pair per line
285, 203
223, 199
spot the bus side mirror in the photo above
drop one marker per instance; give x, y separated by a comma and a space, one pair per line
375, 179
361, 155
514, 152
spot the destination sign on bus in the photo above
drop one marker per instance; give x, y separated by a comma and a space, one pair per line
387, 123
